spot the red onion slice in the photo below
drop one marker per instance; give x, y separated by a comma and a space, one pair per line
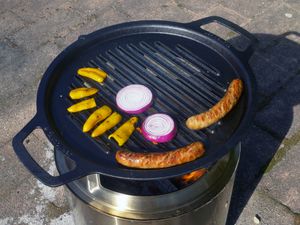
159, 128
134, 99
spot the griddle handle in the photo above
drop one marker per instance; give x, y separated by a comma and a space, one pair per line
247, 53
34, 167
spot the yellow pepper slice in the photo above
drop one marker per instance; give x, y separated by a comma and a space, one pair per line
82, 92
92, 73
107, 124
97, 116
83, 105
122, 134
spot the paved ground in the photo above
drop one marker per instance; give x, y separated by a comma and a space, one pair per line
32, 33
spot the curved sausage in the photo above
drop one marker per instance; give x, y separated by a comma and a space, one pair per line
219, 110
156, 160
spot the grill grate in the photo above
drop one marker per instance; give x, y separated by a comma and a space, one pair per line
187, 69
171, 72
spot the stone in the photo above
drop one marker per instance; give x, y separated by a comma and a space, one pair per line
16, 118
55, 24
8, 54
11, 176
294, 4
249, 9
32, 11
196, 6
34, 32
29, 204
269, 76
258, 148
90, 7
274, 23
9, 23
93, 21
269, 211
8, 5
281, 115
40, 204
228, 14
285, 54
282, 181
159, 10
257, 219
221, 30
19, 86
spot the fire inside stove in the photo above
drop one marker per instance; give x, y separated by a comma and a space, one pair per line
151, 187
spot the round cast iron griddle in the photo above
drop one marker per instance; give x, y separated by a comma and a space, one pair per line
188, 70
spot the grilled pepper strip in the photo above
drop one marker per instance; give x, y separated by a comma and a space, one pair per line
82, 92
107, 124
97, 116
92, 73
83, 105
122, 134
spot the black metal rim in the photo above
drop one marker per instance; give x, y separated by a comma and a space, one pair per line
85, 167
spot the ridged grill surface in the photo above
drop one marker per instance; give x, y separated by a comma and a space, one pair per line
182, 83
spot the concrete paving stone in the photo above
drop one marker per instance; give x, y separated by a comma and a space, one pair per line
269, 76
249, 9
37, 146
41, 150
293, 4
258, 148
281, 115
92, 22
228, 14
40, 204
32, 11
227, 34
119, 12
7, 5
36, 206
267, 210
158, 10
285, 54
199, 7
10, 88
50, 26
19, 86
16, 118
9, 53
9, 23
92, 6
13, 173
23, 69
282, 182
274, 22
54, 25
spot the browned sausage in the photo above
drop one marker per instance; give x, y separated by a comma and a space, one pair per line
219, 110
156, 160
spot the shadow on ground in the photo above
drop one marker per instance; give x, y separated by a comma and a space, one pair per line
277, 74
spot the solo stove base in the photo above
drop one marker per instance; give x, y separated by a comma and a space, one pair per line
205, 202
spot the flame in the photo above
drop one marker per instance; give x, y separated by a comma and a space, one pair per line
193, 176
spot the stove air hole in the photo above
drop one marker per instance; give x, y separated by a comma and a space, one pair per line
93, 182
140, 187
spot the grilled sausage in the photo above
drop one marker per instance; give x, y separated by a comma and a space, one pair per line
156, 160
219, 110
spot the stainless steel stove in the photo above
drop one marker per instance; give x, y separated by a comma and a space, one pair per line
101, 200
